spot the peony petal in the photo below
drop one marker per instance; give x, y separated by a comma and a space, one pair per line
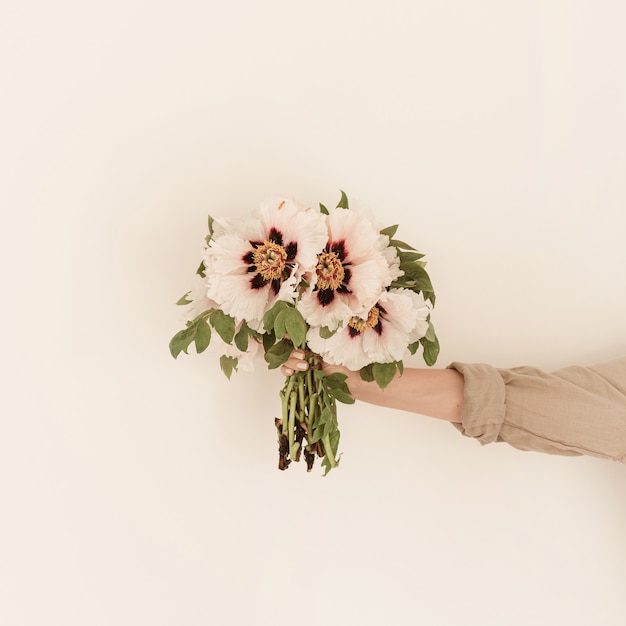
236, 298
340, 349
360, 236
330, 315
246, 228
225, 255
297, 224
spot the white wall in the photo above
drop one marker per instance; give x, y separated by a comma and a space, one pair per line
136, 489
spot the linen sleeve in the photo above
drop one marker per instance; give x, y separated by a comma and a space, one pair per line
572, 411
484, 404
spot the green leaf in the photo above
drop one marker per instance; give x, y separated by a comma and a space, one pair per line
284, 319
224, 325
400, 244
184, 300
400, 366
390, 231
208, 238
269, 339
343, 201
409, 257
255, 334
326, 333
280, 323
228, 364
419, 277
296, 327
413, 347
332, 380
269, 319
337, 388
318, 433
181, 341
197, 330
241, 338
328, 417
324, 423
334, 441
323, 209
430, 333
366, 373
278, 353
384, 373
431, 350
327, 463
203, 337
201, 271
342, 396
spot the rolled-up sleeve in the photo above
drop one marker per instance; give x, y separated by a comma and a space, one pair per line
575, 410
484, 401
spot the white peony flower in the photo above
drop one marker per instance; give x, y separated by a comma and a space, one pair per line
252, 263
350, 274
381, 334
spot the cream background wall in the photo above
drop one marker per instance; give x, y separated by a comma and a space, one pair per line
136, 489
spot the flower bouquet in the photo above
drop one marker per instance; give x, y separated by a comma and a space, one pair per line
329, 282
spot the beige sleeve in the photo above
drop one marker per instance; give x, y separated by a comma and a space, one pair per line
575, 410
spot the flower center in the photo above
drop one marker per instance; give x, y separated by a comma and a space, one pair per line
270, 260
330, 272
360, 325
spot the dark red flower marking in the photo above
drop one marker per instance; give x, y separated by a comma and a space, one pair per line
270, 261
333, 273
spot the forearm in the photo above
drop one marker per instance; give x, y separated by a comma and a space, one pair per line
436, 393
432, 392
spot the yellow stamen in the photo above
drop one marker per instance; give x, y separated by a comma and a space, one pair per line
330, 272
360, 325
270, 260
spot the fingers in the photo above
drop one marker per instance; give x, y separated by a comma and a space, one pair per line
294, 363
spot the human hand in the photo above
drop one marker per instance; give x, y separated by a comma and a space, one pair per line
297, 363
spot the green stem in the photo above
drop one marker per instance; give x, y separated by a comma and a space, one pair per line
285, 401
292, 419
313, 390
301, 397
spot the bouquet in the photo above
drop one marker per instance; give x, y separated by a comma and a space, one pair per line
329, 282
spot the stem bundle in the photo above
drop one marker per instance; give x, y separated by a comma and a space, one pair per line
309, 416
